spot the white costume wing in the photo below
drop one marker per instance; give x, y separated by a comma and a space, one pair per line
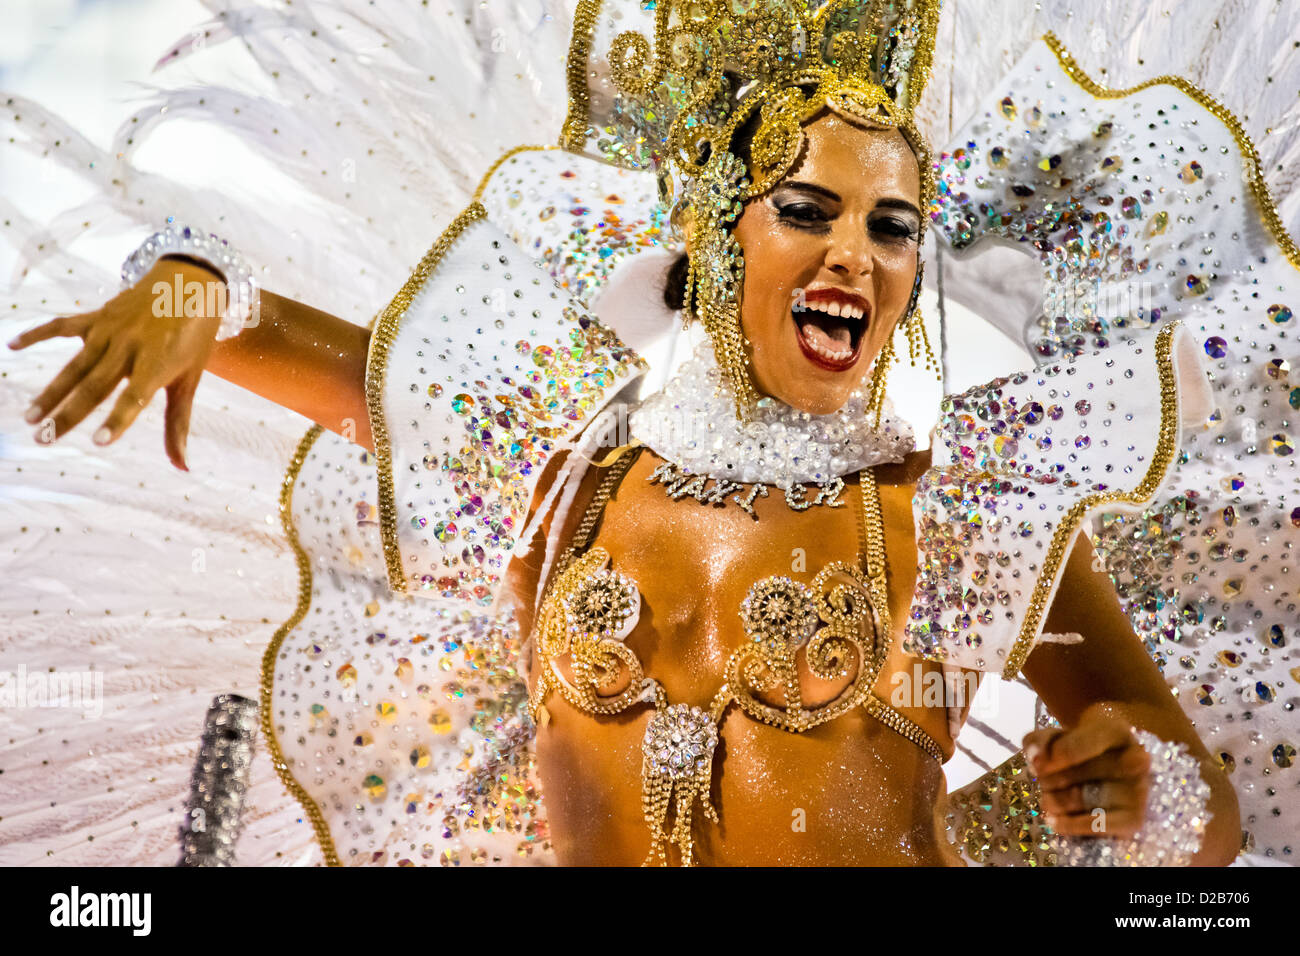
397, 698
146, 590
1143, 209
383, 114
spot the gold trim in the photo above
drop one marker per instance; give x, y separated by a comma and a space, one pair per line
1166, 446
903, 726
918, 77
381, 342
573, 134
309, 805
500, 161
384, 475
383, 334
478, 196
1255, 178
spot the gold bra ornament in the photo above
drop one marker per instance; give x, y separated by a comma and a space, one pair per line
589, 610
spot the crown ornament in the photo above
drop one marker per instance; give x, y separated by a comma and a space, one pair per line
664, 86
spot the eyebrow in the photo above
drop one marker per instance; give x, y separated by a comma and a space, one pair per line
887, 203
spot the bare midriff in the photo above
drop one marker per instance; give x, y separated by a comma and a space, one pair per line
849, 791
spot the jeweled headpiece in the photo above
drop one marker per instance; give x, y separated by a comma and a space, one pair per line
664, 85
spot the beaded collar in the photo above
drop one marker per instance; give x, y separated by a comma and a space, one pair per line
692, 422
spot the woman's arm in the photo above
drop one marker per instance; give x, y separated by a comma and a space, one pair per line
1110, 676
296, 356
304, 359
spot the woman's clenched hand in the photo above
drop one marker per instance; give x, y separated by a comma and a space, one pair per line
143, 335
1094, 778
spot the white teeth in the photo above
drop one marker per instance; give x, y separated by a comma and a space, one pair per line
835, 309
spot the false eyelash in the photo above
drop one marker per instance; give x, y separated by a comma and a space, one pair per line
903, 230
789, 213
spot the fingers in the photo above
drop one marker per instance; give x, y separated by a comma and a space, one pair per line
1038, 743
176, 428
67, 379
1122, 763
1067, 748
126, 409
1094, 778
64, 325
1108, 795
96, 386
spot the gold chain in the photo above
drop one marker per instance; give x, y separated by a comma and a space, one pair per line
871, 547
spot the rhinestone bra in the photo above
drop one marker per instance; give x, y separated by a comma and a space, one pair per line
839, 621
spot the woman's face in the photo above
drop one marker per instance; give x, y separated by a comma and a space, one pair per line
830, 261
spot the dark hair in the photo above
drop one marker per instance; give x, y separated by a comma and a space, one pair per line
675, 283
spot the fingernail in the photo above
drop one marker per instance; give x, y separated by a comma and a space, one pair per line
103, 435
1032, 753
32, 415
13, 343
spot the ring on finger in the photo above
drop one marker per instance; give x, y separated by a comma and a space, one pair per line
1092, 792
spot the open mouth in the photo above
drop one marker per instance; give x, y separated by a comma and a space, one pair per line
831, 326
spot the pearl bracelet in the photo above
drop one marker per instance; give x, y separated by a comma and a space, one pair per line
241, 299
1175, 818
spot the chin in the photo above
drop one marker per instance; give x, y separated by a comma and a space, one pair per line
817, 401
801, 385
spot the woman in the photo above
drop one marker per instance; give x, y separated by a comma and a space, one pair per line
843, 224
830, 269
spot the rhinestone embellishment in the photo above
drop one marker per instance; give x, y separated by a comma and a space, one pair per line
779, 613
680, 741
603, 606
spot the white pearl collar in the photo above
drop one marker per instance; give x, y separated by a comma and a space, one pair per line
691, 422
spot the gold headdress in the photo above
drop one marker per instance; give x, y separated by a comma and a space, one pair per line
664, 85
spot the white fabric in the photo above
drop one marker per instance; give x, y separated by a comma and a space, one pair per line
117, 529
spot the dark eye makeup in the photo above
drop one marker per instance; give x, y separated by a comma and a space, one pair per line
894, 227
804, 214
801, 212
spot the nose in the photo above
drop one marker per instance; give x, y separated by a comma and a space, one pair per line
850, 252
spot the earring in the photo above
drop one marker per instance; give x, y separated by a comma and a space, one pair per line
716, 271
883, 361
918, 341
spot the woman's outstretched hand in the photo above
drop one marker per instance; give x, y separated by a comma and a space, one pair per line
1094, 778
143, 336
